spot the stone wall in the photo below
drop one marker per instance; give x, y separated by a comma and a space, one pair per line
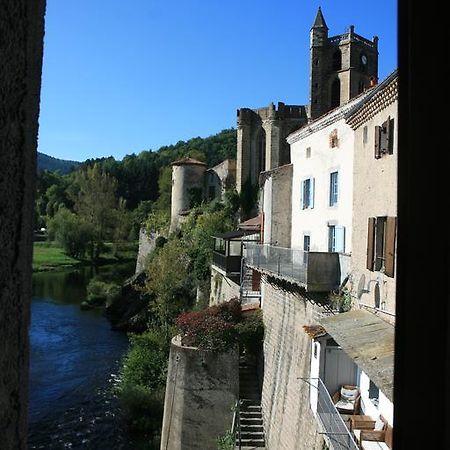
289, 423
147, 243
201, 390
222, 287
21, 42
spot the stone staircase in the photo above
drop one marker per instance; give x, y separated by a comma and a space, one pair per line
250, 417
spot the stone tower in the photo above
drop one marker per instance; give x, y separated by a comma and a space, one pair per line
341, 66
188, 177
261, 139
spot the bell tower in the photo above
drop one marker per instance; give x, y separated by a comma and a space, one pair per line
341, 67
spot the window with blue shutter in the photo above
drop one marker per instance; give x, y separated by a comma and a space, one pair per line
336, 238
333, 188
307, 193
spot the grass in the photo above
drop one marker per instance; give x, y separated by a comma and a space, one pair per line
48, 256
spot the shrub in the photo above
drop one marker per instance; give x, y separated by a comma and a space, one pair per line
227, 441
100, 293
251, 332
212, 328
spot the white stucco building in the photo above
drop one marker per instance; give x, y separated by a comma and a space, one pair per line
322, 187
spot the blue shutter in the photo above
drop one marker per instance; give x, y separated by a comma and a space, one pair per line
311, 192
340, 239
302, 187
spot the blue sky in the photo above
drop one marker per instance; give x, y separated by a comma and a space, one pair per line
120, 76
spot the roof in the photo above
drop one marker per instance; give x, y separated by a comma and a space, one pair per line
328, 118
234, 234
314, 331
253, 224
319, 21
187, 161
369, 342
381, 96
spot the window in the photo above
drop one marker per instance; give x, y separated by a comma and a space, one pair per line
333, 188
335, 93
365, 134
307, 193
381, 244
384, 139
336, 238
306, 242
337, 60
308, 152
333, 138
360, 87
374, 393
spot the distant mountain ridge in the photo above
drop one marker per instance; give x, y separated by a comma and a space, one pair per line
46, 162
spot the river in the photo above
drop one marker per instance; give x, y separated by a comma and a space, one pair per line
74, 358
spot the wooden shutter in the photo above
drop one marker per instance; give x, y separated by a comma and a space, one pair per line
370, 242
390, 130
389, 250
311, 193
377, 142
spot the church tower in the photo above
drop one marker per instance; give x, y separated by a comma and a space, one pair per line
341, 66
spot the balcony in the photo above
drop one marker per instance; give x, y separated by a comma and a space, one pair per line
228, 247
314, 271
230, 264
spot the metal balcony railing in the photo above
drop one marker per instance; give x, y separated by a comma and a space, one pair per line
336, 433
230, 264
315, 271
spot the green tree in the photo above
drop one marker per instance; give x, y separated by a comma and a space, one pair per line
71, 232
169, 279
95, 202
165, 189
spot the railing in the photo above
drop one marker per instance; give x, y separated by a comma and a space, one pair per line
227, 263
336, 433
315, 271
236, 424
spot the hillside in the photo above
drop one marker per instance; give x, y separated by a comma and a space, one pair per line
46, 162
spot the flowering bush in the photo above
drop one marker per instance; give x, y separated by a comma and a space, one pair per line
212, 328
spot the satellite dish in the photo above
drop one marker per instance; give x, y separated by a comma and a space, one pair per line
361, 284
377, 296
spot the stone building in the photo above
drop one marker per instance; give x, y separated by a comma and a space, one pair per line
374, 123
193, 182
341, 67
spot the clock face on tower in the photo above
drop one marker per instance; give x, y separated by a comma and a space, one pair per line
364, 59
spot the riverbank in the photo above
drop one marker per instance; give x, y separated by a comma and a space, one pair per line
48, 256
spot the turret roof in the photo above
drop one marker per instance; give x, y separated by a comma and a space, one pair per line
319, 22
188, 161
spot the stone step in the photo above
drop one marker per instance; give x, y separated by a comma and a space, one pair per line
251, 443
246, 428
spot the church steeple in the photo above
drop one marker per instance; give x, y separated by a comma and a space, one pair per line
319, 22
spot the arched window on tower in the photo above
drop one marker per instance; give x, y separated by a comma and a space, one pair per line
337, 60
261, 151
335, 93
361, 86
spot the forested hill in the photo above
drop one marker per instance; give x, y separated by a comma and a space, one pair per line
143, 176
46, 162
143, 180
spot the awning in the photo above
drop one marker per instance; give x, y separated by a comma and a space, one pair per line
233, 234
369, 342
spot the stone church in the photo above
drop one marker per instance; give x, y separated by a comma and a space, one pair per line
341, 67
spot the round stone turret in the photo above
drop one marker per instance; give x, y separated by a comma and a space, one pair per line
187, 184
